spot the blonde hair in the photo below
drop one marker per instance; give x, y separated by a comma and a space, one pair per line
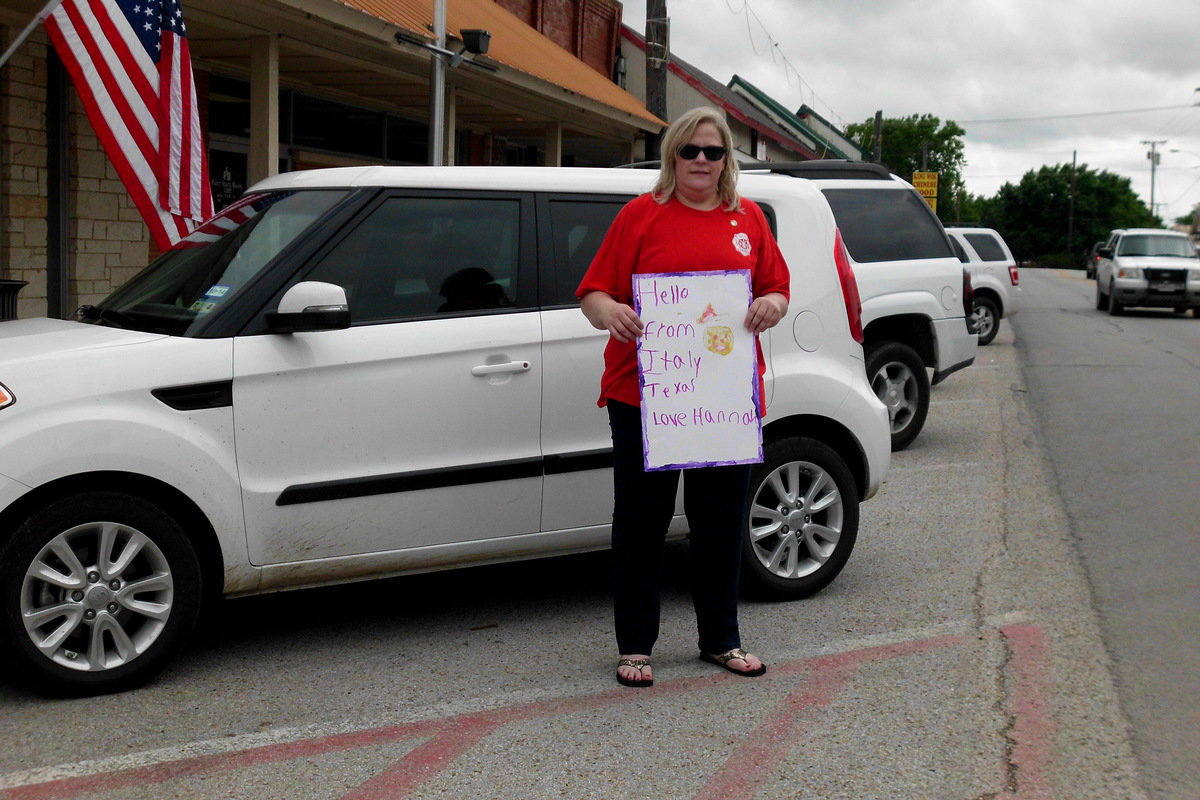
677, 135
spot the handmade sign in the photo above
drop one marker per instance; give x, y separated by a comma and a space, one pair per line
698, 369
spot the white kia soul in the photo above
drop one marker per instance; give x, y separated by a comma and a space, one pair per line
374, 371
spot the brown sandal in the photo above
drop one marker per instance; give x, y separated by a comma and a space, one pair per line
723, 659
639, 664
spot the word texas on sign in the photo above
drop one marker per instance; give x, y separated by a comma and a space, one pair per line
698, 370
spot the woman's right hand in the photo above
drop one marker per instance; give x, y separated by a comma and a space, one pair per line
619, 319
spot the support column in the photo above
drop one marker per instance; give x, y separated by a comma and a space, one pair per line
58, 168
554, 144
264, 108
449, 140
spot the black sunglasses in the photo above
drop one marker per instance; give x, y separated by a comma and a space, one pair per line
713, 152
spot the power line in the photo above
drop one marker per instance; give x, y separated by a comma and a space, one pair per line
776, 52
1075, 116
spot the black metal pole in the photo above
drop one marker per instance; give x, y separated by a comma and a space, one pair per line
656, 70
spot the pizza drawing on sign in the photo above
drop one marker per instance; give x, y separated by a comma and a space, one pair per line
719, 339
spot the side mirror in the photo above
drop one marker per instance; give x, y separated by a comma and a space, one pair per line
1104, 252
310, 306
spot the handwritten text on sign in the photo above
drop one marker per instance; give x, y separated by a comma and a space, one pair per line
698, 369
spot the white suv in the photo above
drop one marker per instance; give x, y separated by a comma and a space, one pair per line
1148, 267
994, 277
916, 294
374, 371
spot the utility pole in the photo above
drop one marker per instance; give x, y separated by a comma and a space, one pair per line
657, 54
1071, 207
1154, 156
877, 155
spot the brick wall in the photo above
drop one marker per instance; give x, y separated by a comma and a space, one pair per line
23, 173
108, 241
589, 29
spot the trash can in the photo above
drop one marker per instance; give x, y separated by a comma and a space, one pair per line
8, 298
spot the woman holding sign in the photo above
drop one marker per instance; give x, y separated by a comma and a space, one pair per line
691, 222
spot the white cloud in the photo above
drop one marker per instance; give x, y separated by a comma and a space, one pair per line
977, 60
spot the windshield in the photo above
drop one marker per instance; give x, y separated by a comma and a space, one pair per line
1178, 246
178, 293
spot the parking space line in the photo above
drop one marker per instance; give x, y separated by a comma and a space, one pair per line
822, 678
1032, 732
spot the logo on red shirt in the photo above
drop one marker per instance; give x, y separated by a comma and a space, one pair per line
741, 243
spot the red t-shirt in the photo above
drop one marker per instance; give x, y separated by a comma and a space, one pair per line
649, 237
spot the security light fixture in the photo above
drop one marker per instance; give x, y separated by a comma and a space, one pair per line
475, 41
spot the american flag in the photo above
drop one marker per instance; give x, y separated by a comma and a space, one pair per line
130, 62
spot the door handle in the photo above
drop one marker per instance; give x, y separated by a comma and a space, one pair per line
508, 366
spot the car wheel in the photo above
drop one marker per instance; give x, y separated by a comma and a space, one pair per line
987, 319
801, 520
97, 591
899, 379
1101, 298
1114, 308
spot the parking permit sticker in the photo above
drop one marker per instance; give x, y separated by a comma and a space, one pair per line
208, 301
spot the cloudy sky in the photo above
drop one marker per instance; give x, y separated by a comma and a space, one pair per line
1056, 71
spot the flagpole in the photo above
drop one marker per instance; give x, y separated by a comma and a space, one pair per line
41, 16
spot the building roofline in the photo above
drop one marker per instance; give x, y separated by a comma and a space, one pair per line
741, 85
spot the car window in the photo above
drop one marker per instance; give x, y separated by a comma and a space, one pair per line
887, 225
986, 246
958, 250
577, 227
179, 293
418, 256
1151, 245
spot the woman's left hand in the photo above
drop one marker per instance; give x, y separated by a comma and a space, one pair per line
765, 312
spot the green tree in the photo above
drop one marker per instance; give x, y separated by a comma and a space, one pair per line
909, 142
1034, 214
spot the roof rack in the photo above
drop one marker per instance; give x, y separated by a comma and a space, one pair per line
828, 168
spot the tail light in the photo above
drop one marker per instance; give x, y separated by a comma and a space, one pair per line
1013, 275
968, 300
849, 287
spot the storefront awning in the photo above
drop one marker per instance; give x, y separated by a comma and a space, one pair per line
514, 45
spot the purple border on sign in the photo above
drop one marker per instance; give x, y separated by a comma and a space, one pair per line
755, 396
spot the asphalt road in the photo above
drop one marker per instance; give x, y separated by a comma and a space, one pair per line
957, 657
1117, 401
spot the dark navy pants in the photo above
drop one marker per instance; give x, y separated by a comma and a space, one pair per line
644, 502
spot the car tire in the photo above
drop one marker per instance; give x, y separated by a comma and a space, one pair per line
97, 591
1115, 309
801, 519
1101, 297
987, 319
899, 380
